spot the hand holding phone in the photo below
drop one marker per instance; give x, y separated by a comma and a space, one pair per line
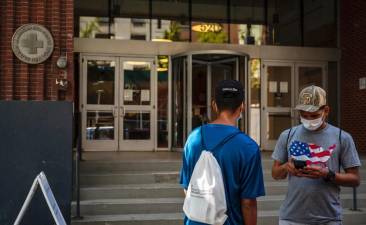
299, 164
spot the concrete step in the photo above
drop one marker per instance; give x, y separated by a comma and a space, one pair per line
129, 178
174, 205
149, 165
160, 190
137, 177
139, 166
264, 218
171, 190
131, 165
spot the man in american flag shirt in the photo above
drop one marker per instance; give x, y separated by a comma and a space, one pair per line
313, 191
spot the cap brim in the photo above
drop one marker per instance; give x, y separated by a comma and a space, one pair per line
307, 108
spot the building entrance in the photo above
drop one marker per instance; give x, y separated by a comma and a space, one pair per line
196, 74
281, 84
118, 103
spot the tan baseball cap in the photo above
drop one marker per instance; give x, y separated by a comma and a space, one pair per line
311, 99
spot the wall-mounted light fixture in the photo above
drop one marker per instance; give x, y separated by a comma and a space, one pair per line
62, 62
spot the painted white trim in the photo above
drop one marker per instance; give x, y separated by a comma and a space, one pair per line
151, 49
265, 110
101, 145
322, 65
189, 94
138, 145
209, 90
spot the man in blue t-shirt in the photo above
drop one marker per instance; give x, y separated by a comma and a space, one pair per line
239, 158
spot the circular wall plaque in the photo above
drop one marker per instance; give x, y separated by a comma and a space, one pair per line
32, 43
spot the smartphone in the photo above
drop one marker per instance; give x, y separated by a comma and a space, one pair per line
299, 164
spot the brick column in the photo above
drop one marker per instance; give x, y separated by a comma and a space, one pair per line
353, 67
21, 81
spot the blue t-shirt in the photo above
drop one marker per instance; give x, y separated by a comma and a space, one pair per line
240, 163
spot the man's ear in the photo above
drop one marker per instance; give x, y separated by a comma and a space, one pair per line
242, 107
214, 106
326, 110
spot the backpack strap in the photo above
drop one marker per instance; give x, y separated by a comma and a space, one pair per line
202, 140
340, 149
223, 142
288, 137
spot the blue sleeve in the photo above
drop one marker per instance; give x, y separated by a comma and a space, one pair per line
251, 180
184, 173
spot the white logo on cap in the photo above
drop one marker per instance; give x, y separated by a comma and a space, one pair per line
229, 89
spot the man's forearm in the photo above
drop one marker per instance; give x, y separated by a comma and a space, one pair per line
249, 211
279, 172
347, 179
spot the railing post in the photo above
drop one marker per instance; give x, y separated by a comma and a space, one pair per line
354, 205
77, 167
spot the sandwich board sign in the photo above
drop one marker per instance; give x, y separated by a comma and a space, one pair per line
41, 181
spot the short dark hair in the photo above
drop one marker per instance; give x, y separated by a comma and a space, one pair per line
229, 95
228, 105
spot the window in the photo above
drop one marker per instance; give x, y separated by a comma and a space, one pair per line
250, 22
320, 27
284, 22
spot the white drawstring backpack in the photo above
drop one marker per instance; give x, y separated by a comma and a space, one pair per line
205, 199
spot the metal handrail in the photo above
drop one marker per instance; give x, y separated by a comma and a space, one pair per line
78, 158
354, 205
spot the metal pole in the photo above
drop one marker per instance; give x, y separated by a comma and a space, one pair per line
354, 207
77, 169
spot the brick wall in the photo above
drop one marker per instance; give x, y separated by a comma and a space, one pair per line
21, 81
353, 67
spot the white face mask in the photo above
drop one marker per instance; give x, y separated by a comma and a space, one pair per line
312, 124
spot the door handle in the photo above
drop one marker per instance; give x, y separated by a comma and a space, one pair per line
114, 112
122, 111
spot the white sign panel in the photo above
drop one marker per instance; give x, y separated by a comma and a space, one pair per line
284, 87
145, 95
41, 180
273, 87
128, 95
363, 83
50, 198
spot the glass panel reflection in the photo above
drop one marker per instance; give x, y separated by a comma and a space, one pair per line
94, 27
221, 71
199, 94
277, 123
163, 68
137, 83
254, 73
279, 86
247, 34
136, 125
310, 76
99, 125
130, 29
100, 82
178, 102
169, 30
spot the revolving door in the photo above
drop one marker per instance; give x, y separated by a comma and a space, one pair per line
195, 76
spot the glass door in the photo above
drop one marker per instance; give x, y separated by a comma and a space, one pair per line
99, 114
277, 101
309, 74
136, 111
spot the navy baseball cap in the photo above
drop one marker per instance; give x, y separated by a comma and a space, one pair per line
229, 91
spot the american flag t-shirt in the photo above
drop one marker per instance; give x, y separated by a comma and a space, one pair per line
311, 153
